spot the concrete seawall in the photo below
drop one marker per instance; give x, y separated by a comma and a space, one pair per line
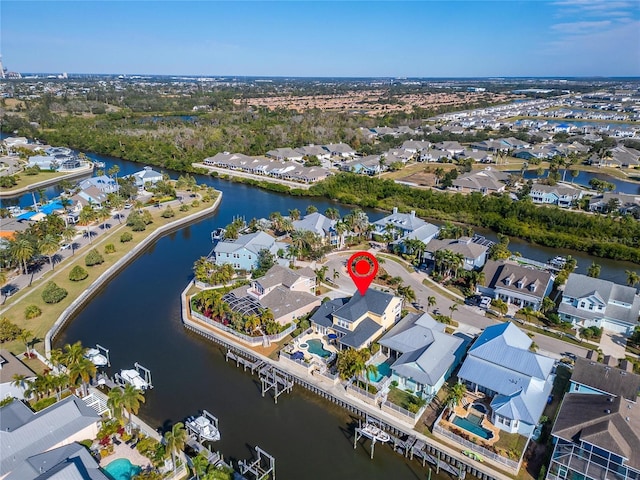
45, 183
119, 265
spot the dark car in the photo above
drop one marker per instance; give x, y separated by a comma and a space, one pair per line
9, 290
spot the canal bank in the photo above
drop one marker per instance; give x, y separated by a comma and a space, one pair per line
79, 172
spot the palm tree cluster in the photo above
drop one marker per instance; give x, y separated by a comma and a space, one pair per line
210, 304
41, 238
306, 244
124, 399
351, 363
448, 263
208, 272
79, 368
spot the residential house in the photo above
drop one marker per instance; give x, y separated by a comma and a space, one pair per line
322, 226
340, 150
596, 434
314, 151
289, 294
610, 201
91, 196
415, 146
102, 182
483, 181
489, 146
450, 149
73, 461
10, 366
146, 176
359, 320
231, 161
398, 224
24, 433
423, 355
370, 165
560, 195
424, 233
15, 142
242, 253
516, 284
481, 156
620, 156
588, 301
500, 365
475, 254
43, 162
284, 154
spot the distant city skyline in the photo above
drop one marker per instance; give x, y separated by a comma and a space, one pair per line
552, 38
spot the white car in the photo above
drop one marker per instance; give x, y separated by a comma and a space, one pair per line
65, 246
127, 206
485, 302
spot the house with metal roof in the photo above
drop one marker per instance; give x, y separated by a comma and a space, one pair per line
596, 434
588, 301
242, 253
24, 433
474, 254
398, 224
102, 182
146, 176
423, 355
516, 284
358, 321
500, 365
322, 226
289, 294
71, 461
10, 365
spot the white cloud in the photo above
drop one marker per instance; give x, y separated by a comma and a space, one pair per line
572, 28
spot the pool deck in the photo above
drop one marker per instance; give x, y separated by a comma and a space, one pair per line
123, 451
461, 410
313, 336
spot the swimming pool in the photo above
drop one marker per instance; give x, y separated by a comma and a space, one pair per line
480, 407
471, 423
384, 370
122, 469
317, 348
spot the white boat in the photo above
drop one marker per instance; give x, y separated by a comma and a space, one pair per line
376, 433
134, 378
558, 262
204, 428
97, 358
99, 164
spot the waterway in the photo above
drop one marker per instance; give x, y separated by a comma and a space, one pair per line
583, 178
138, 318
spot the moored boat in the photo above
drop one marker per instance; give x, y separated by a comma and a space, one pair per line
97, 358
204, 428
376, 433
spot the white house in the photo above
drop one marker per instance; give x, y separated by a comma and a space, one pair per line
102, 182
146, 177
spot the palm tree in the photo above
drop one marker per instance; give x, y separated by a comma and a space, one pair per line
21, 251
632, 278
593, 270
175, 440
431, 301
453, 308
115, 403
332, 213
131, 400
294, 214
26, 336
103, 215
456, 394
59, 382
68, 234
20, 381
321, 273
200, 465
82, 372
73, 353
48, 246
87, 215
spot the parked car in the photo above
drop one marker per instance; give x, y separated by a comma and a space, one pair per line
9, 290
65, 246
127, 206
485, 302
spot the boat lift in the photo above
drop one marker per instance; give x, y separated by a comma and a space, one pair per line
195, 432
145, 375
105, 352
261, 468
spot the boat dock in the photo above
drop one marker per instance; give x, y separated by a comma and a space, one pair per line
214, 458
260, 468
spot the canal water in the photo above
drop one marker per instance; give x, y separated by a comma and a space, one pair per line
583, 178
137, 317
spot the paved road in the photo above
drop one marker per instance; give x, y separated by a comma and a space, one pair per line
471, 319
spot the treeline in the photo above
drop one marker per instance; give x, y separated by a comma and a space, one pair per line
597, 235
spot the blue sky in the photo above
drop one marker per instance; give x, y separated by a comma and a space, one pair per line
324, 38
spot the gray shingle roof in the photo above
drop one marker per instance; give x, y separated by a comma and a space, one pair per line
462, 245
11, 366
606, 379
495, 273
374, 301
323, 316
254, 242
24, 433
365, 330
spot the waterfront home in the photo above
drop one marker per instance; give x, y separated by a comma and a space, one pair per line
425, 234
146, 176
619, 156
231, 161
102, 182
322, 226
499, 365
490, 145
289, 294
474, 254
516, 284
11, 366
610, 201
399, 224
597, 431
43, 162
242, 253
24, 433
560, 195
588, 301
482, 181
91, 196
285, 154
423, 355
359, 320
73, 461
15, 142
369, 165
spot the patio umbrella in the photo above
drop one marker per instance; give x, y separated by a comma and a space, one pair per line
297, 355
332, 336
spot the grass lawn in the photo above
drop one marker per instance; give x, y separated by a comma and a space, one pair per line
14, 310
26, 180
442, 290
559, 336
510, 445
403, 399
408, 268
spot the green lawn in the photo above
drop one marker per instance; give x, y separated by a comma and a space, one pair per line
404, 399
15, 307
26, 180
510, 445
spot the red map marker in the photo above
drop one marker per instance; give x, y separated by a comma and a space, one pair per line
362, 268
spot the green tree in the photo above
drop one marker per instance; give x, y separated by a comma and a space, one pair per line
593, 270
131, 400
431, 302
21, 251
456, 394
81, 372
453, 308
115, 403
547, 305
48, 246
632, 278
175, 440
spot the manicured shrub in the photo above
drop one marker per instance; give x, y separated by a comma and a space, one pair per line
8, 331
78, 273
184, 207
93, 258
32, 311
168, 212
136, 222
52, 293
195, 203
109, 248
126, 237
